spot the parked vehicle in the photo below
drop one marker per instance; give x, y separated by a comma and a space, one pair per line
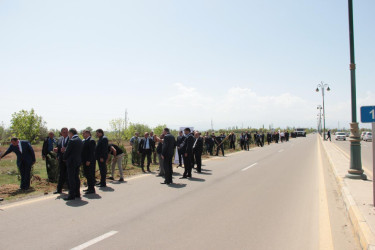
367, 136
300, 132
341, 136
362, 134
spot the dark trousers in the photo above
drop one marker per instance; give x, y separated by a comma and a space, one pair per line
146, 152
89, 172
209, 148
63, 174
179, 157
73, 180
198, 160
232, 145
246, 145
167, 164
188, 165
103, 171
25, 172
218, 148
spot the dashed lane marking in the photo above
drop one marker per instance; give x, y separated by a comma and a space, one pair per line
94, 241
252, 165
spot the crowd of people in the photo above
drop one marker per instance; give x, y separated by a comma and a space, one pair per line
73, 152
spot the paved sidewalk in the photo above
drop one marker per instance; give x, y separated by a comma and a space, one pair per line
357, 195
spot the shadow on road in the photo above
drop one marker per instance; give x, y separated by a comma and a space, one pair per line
176, 173
206, 170
118, 182
177, 185
92, 196
203, 173
76, 203
196, 179
106, 189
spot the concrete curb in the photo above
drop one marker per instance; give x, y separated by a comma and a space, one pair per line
362, 230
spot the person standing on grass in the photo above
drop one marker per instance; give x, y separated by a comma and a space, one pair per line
134, 142
117, 156
60, 150
47, 148
88, 161
219, 145
25, 160
145, 149
246, 138
169, 144
101, 154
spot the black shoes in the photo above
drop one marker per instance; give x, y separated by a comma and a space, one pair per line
183, 177
121, 179
111, 178
57, 192
167, 183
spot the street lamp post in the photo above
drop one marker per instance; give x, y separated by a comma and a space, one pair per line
355, 171
322, 87
320, 119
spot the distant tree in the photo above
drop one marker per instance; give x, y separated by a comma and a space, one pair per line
4, 134
43, 133
117, 130
158, 130
136, 127
26, 125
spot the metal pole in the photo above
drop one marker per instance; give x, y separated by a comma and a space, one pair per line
324, 114
373, 158
355, 171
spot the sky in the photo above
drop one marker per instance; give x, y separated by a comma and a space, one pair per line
184, 63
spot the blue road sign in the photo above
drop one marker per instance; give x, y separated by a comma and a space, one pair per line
367, 114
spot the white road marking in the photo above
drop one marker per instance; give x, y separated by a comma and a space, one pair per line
281, 150
244, 169
94, 241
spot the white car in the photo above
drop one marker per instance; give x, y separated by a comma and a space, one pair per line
363, 133
341, 136
367, 136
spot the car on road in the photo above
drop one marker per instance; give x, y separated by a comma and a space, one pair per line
363, 133
340, 136
367, 136
300, 132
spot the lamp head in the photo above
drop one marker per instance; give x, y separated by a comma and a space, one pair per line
328, 89
317, 90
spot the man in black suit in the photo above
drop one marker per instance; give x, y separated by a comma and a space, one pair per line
48, 156
101, 155
180, 140
198, 150
219, 140
88, 161
167, 152
72, 157
25, 160
246, 141
146, 147
60, 150
187, 150
232, 141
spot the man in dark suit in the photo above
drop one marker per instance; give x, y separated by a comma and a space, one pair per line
72, 157
60, 150
187, 150
48, 156
146, 147
232, 141
219, 140
101, 154
167, 152
25, 160
88, 161
198, 150
180, 140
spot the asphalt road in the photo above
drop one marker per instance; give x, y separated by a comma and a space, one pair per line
366, 152
277, 197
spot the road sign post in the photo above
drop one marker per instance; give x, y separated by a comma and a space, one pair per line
368, 116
